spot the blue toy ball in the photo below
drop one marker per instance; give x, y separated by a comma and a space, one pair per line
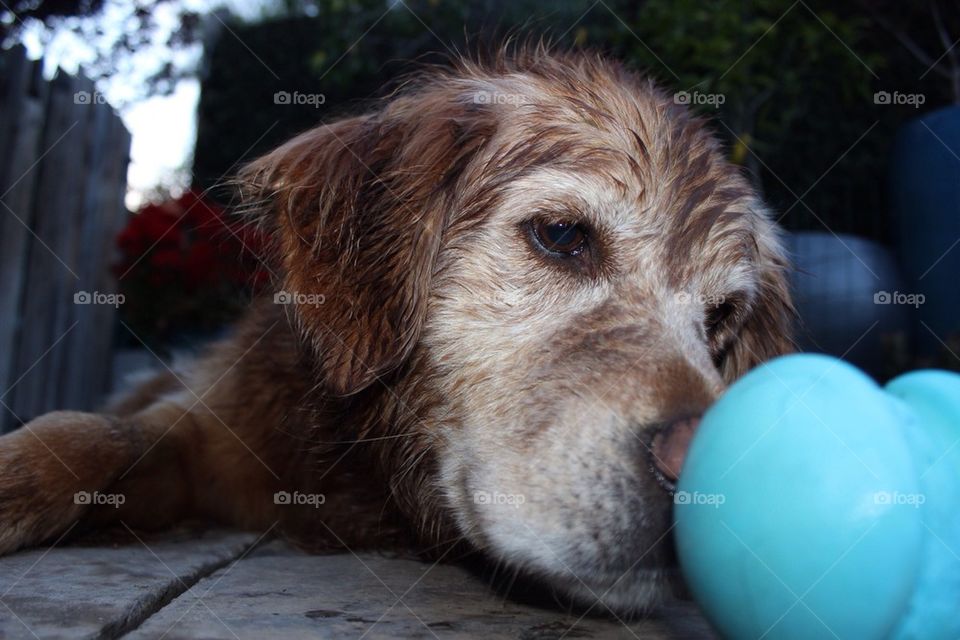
815, 504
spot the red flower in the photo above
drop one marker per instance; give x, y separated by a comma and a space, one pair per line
166, 259
183, 259
200, 264
202, 215
153, 226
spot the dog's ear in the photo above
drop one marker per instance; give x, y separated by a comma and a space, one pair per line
767, 330
356, 211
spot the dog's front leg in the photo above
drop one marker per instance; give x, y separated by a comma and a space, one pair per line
53, 470
69, 471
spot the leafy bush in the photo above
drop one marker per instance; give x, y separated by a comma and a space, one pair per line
796, 78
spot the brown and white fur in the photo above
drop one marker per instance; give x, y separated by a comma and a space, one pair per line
444, 380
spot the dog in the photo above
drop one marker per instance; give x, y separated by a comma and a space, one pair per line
503, 298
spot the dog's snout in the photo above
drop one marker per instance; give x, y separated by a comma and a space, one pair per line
670, 444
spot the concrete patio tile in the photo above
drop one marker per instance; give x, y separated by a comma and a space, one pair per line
279, 592
220, 584
89, 589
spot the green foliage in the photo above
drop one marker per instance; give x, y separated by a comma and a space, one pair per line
796, 80
794, 87
764, 61
350, 52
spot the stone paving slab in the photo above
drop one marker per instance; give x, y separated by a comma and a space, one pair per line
90, 589
218, 585
277, 592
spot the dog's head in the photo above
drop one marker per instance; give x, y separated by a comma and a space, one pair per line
551, 271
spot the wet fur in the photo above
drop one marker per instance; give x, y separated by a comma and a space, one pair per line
448, 357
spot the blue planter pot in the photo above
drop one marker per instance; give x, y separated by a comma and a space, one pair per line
846, 290
925, 198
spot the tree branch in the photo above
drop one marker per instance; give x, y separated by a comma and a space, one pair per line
908, 42
950, 52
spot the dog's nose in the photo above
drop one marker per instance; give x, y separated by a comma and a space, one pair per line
670, 444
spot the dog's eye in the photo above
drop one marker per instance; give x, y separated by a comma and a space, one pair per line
718, 316
717, 325
564, 238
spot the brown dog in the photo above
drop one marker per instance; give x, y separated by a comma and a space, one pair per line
496, 294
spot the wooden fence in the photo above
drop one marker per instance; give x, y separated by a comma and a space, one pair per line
63, 164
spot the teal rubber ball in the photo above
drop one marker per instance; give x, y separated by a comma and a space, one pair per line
800, 509
934, 436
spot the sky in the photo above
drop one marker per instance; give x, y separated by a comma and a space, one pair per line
163, 127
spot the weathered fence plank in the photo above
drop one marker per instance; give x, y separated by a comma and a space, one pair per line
22, 111
63, 179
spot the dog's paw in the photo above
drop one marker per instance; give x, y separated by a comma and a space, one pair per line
45, 473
